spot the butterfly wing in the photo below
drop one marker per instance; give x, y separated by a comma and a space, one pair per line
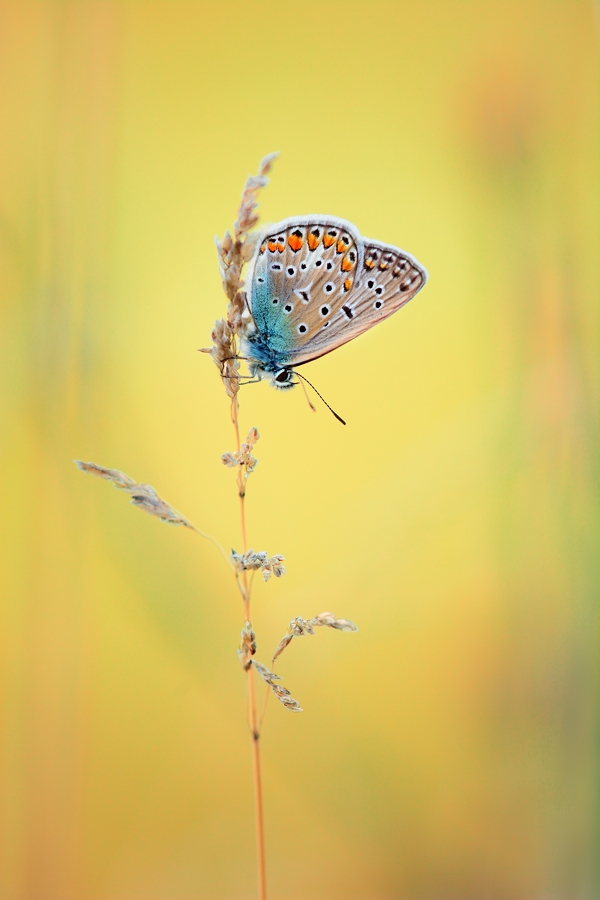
303, 270
387, 280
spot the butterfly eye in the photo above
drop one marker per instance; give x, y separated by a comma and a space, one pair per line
302, 328
290, 271
324, 310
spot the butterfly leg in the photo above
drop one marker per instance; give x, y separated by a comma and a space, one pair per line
248, 379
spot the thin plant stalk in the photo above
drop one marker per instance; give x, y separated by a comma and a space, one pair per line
252, 713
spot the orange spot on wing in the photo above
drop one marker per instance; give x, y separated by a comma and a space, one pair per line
347, 264
347, 283
272, 245
369, 263
313, 241
384, 265
328, 240
342, 246
281, 247
263, 248
295, 242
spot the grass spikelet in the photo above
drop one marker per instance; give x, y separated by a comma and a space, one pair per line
247, 647
142, 495
282, 694
299, 627
145, 497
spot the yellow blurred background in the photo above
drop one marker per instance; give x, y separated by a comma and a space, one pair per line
446, 751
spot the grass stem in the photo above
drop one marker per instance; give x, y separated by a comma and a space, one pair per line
252, 711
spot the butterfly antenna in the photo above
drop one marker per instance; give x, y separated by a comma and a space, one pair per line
339, 418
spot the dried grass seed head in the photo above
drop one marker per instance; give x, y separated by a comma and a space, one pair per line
282, 694
247, 647
224, 355
243, 456
119, 479
266, 163
233, 252
328, 619
142, 495
298, 627
251, 560
273, 566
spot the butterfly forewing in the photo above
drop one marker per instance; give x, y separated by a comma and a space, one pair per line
303, 271
387, 279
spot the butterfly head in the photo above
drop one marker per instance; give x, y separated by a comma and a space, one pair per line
280, 377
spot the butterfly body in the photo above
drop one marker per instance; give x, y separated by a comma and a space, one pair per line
269, 343
315, 283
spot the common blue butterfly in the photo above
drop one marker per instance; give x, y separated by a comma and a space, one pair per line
315, 284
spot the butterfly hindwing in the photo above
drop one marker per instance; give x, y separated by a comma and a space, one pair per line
388, 278
303, 270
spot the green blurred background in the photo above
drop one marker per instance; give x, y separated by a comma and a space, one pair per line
446, 751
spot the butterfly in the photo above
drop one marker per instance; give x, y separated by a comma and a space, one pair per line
315, 284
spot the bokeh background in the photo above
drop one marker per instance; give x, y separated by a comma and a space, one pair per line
447, 750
